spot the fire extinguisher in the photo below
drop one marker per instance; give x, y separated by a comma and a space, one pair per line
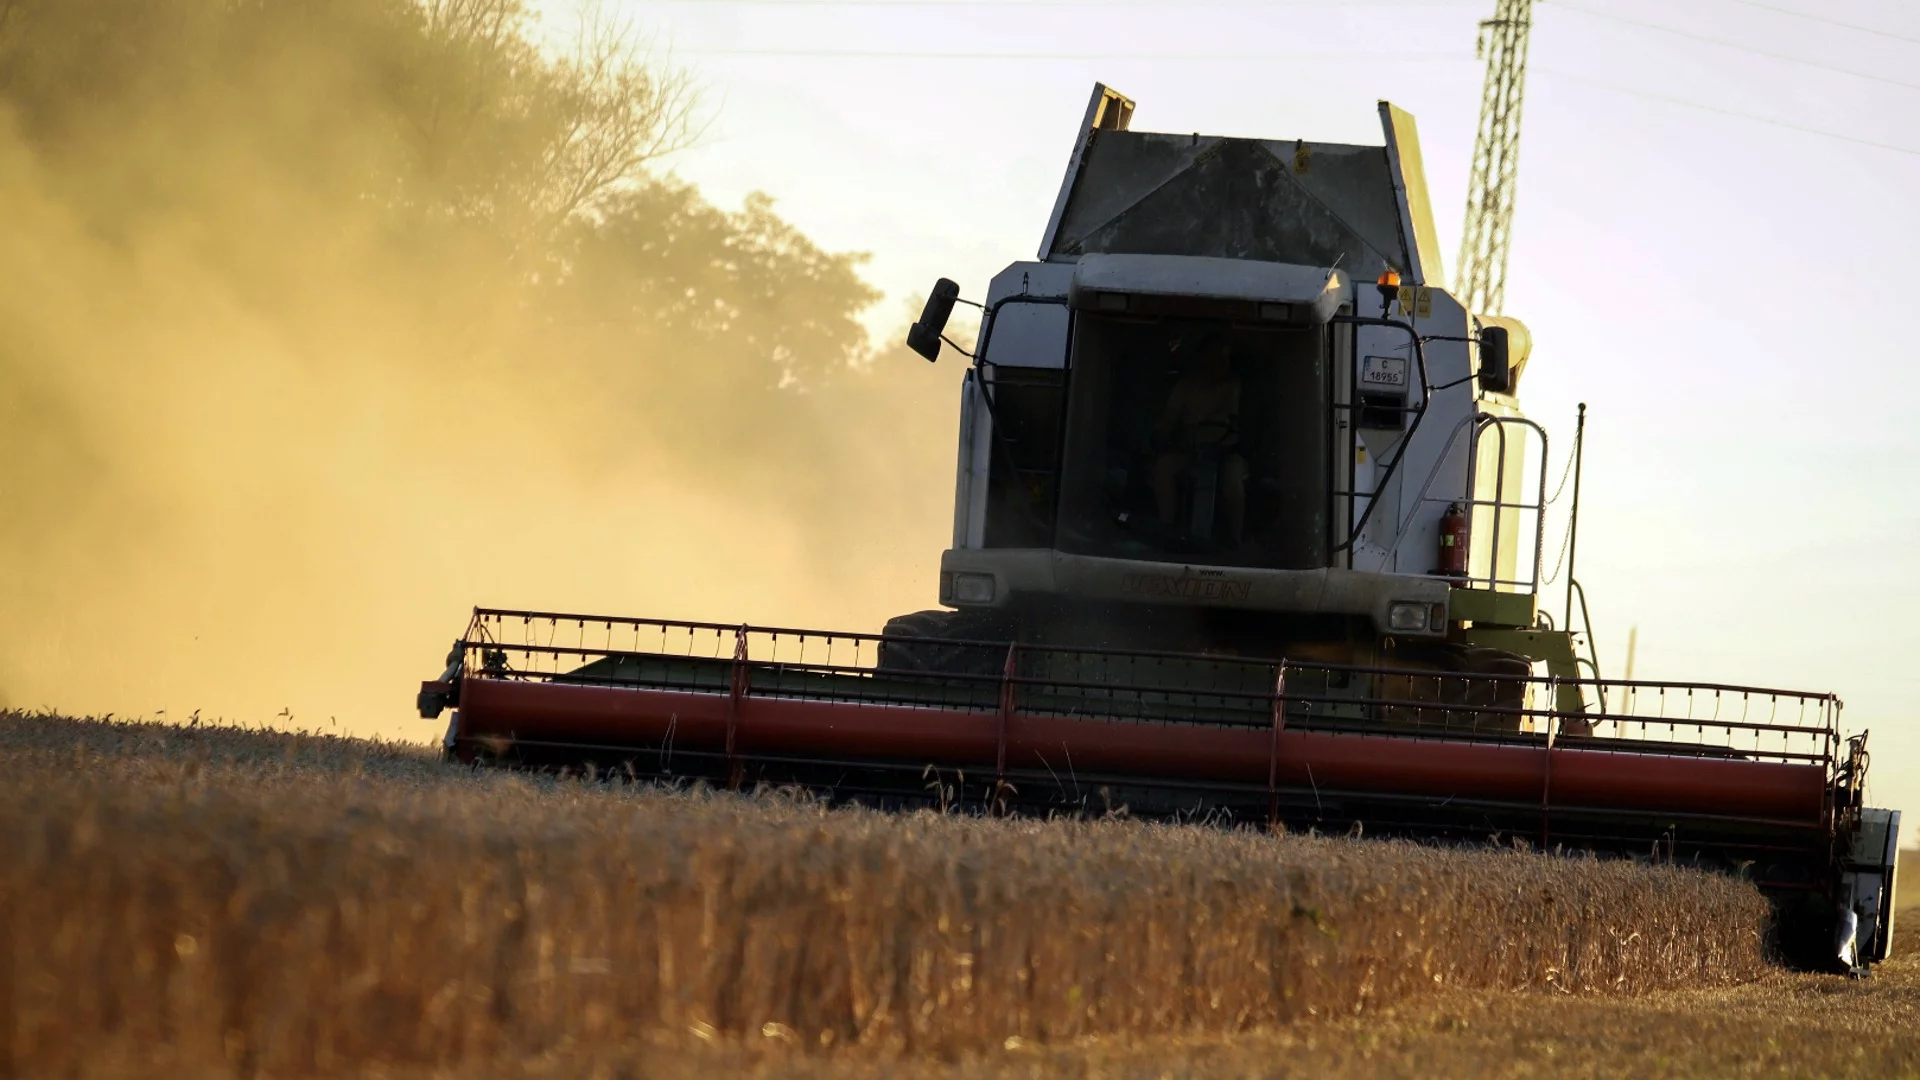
1453, 542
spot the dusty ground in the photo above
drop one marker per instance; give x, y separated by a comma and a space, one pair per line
1785, 1026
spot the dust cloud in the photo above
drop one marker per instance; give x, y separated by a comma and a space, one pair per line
321, 323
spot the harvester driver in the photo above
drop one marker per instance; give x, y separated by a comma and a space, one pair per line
1199, 430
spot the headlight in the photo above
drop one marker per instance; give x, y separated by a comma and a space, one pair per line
1407, 618
973, 588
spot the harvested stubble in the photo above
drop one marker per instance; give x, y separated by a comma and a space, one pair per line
207, 899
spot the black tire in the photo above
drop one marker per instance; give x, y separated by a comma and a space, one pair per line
923, 641
1457, 691
1504, 694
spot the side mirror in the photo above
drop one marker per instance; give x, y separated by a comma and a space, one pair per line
924, 336
1496, 364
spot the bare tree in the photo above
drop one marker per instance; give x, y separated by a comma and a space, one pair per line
531, 140
618, 112
492, 22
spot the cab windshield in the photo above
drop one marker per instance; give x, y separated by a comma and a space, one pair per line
1196, 440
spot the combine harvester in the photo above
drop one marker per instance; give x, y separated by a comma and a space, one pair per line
1247, 528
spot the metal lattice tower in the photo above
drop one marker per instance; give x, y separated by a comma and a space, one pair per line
1482, 280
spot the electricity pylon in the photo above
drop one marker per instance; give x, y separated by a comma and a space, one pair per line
1482, 271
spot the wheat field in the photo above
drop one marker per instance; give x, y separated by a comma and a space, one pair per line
214, 902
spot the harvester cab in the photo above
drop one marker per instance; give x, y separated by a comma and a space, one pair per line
1231, 407
1247, 527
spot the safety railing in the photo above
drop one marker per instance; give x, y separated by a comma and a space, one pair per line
1414, 701
1500, 506
1493, 511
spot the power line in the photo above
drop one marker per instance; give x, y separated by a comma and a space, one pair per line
1649, 95
1874, 30
878, 54
1432, 57
1012, 4
885, 54
1725, 44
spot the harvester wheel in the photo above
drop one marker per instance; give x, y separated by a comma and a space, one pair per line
1457, 691
1504, 694
929, 641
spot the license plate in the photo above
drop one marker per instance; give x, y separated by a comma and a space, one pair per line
1385, 372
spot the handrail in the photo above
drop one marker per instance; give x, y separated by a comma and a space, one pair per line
1479, 422
1247, 662
1356, 528
1586, 622
1499, 505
